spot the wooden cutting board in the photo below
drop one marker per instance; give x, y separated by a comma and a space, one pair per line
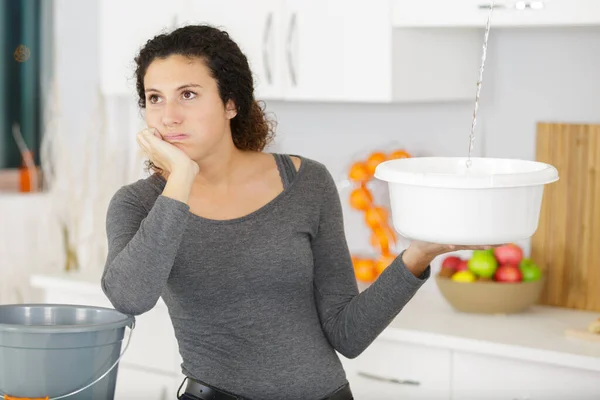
566, 244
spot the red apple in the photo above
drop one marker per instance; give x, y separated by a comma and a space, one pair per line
508, 273
463, 265
451, 262
508, 254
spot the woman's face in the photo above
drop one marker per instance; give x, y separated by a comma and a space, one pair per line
183, 103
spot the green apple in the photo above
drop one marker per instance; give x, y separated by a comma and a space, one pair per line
483, 263
531, 272
526, 261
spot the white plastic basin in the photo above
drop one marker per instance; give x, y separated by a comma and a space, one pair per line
440, 200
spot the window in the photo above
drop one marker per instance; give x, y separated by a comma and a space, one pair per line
20, 78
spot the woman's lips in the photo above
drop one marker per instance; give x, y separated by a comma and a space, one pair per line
175, 137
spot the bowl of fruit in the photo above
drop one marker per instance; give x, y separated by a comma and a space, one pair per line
496, 281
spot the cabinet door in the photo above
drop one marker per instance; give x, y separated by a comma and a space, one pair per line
338, 50
443, 13
389, 370
485, 377
153, 343
256, 27
139, 384
122, 32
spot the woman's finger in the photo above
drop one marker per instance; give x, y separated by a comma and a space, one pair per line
152, 132
143, 142
156, 133
147, 136
145, 147
138, 139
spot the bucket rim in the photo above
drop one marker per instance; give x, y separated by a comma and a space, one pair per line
125, 320
543, 175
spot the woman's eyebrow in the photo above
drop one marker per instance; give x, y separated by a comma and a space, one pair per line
187, 85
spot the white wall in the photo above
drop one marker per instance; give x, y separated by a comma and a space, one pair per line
75, 60
531, 75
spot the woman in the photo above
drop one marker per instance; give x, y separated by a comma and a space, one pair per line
246, 248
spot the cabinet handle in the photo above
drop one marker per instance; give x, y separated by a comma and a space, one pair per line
531, 5
389, 380
518, 5
266, 58
489, 5
291, 30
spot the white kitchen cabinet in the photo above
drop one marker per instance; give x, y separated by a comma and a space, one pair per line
140, 384
333, 50
255, 27
507, 13
306, 50
153, 330
337, 50
389, 370
477, 376
122, 32
322, 50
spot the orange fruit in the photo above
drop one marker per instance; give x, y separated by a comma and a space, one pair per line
399, 154
380, 240
390, 232
364, 270
376, 217
356, 259
383, 262
359, 172
361, 198
374, 160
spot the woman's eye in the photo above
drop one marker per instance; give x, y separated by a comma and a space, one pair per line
153, 98
188, 95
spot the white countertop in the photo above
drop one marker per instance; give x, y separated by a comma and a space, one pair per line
536, 335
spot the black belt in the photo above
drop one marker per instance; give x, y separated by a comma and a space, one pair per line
204, 392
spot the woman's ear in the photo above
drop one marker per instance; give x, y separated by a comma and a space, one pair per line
230, 109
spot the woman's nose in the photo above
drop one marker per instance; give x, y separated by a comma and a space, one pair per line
172, 114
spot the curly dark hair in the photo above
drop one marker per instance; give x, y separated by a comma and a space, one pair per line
250, 128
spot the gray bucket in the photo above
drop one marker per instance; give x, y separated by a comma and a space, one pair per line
61, 351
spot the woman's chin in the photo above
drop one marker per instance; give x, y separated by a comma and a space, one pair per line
181, 145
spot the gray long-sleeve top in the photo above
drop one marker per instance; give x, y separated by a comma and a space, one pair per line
260, 304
